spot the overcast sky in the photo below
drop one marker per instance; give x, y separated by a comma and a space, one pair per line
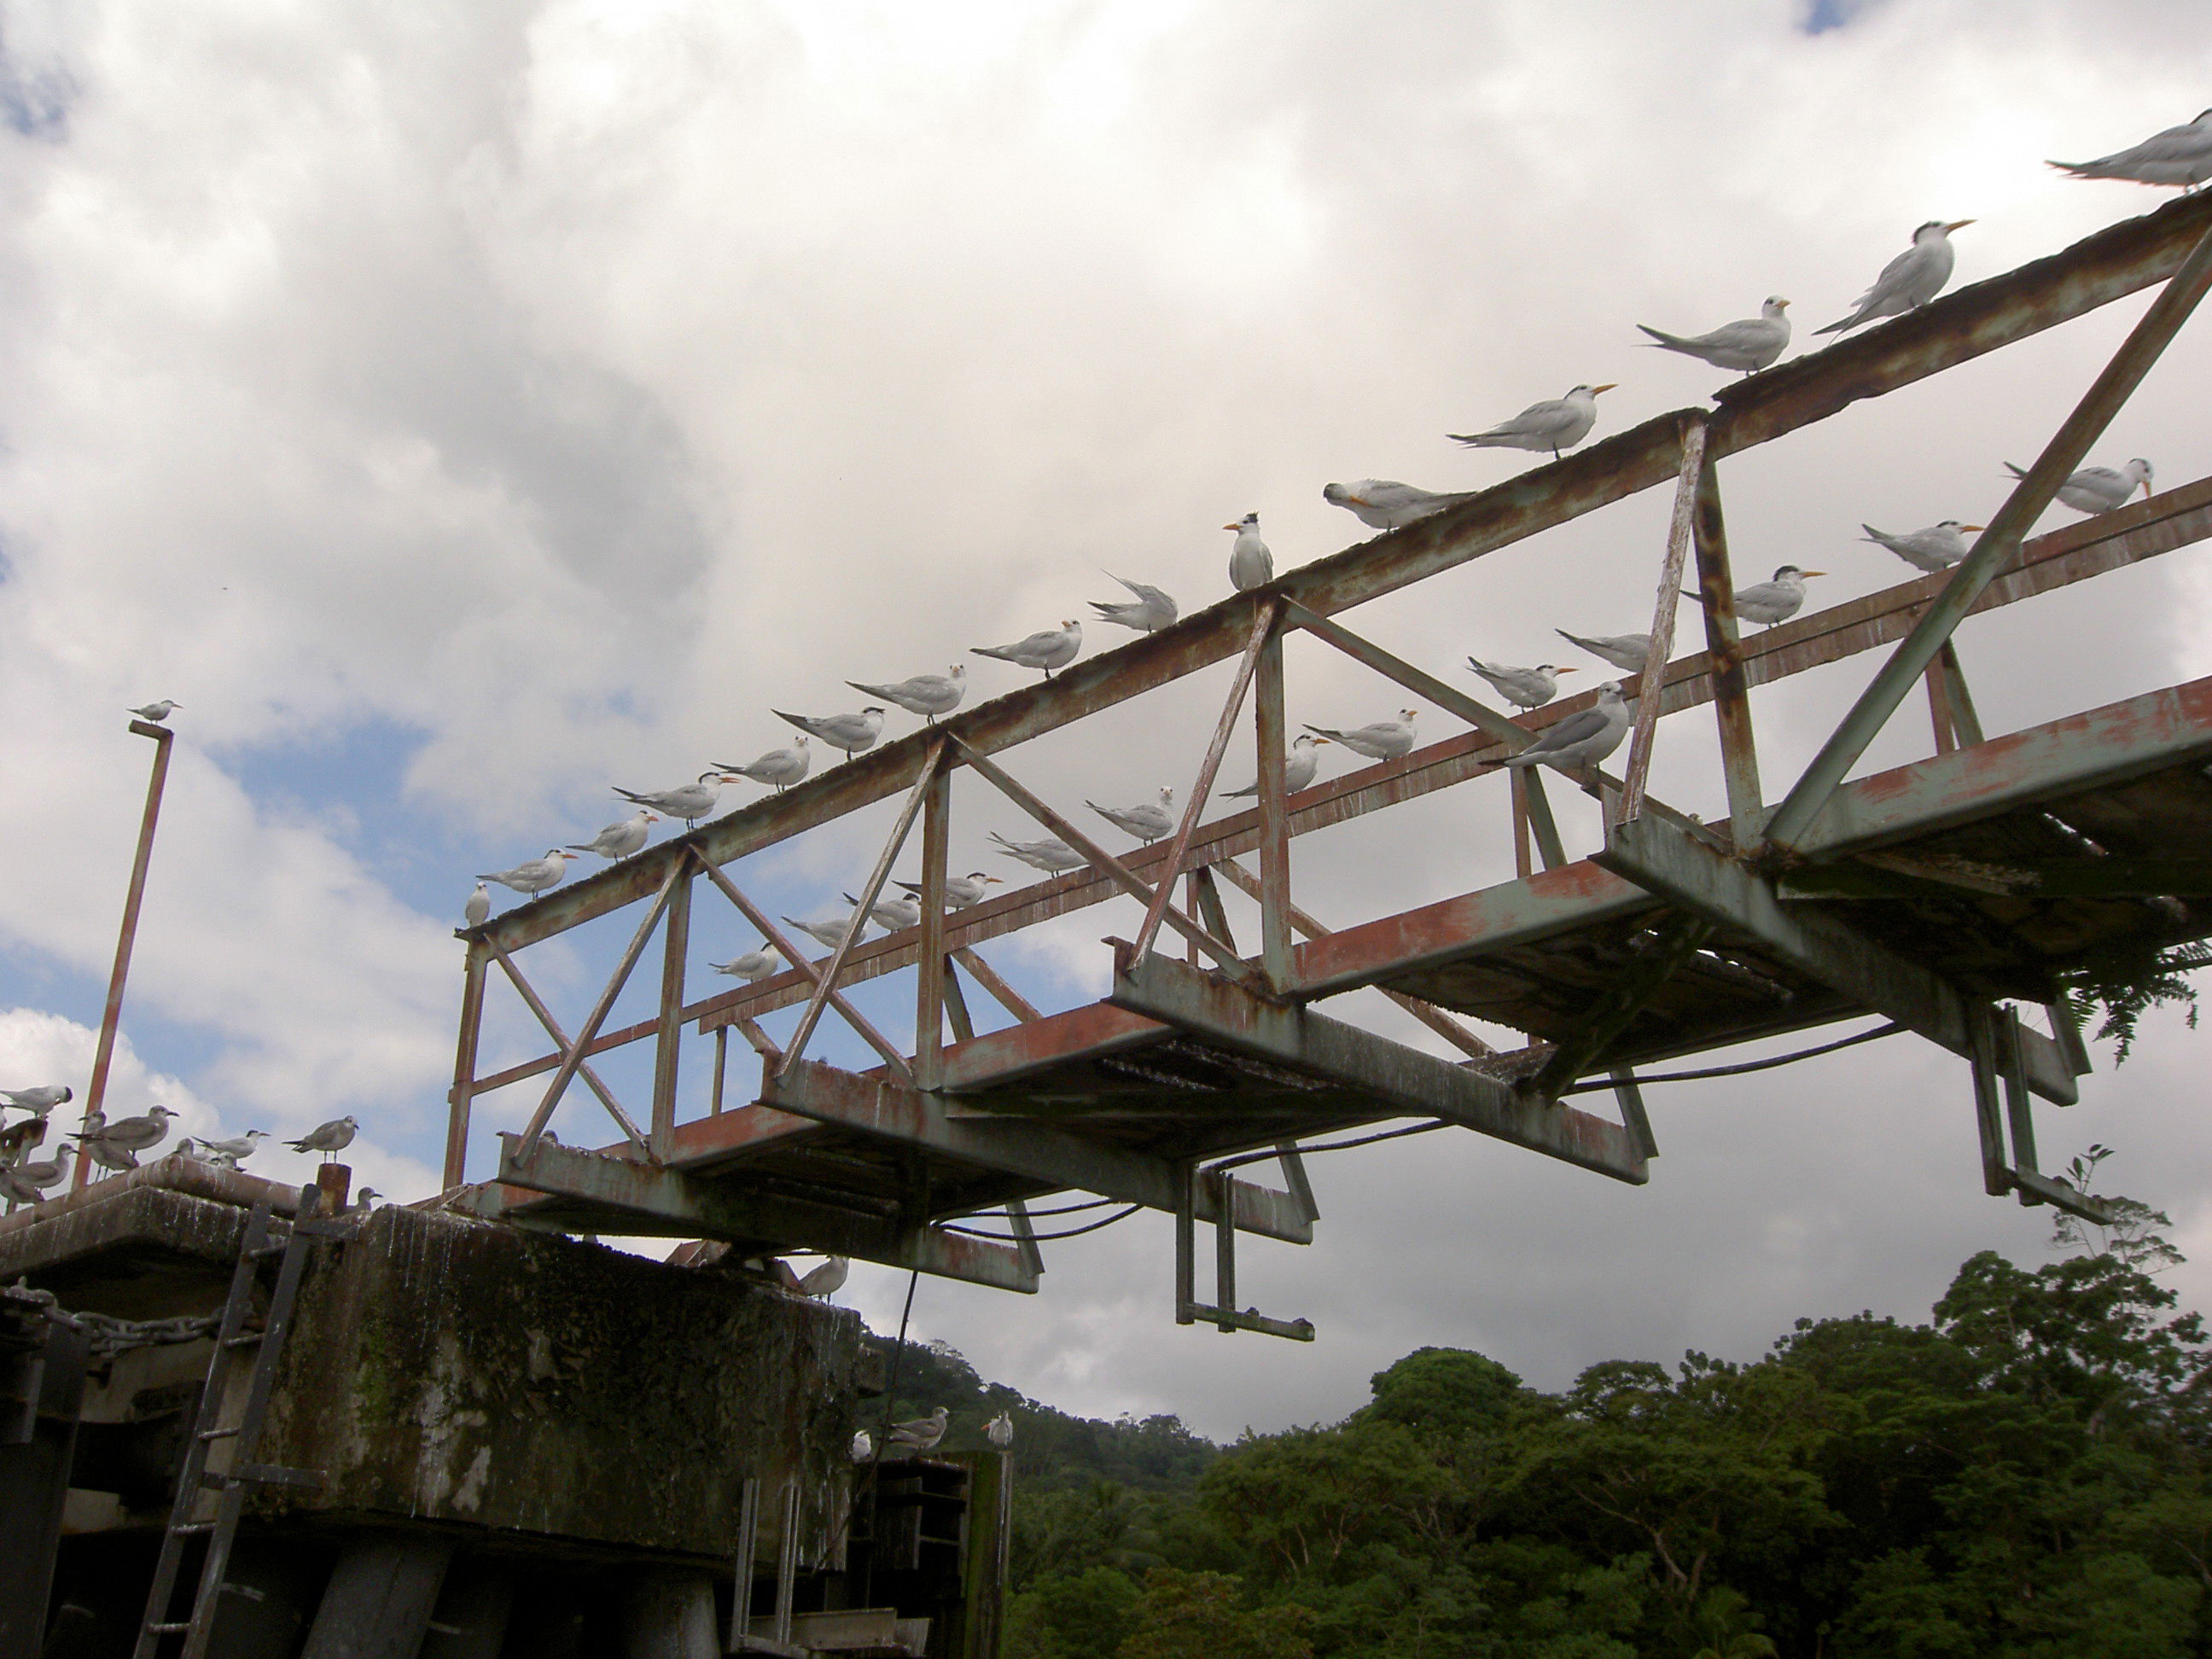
462, 409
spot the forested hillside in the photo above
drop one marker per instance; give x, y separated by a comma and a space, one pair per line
2023, 1477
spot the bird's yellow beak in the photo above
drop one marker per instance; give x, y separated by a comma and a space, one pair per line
1232, 526
2146, 497
1566, 671
1976, 528
1957, 224
1319, 741
1608, 386
1802, 574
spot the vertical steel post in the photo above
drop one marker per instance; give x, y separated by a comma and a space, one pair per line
1989, 1122
1517, 782
463, 1095
96, 1091
928, 987
1225, 1250
1966, 724
1653, 677
1273, 803
675, 949
721, 1066
1939, 708
1731, 695
1186, 1241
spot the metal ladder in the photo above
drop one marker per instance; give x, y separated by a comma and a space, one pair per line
243, 1472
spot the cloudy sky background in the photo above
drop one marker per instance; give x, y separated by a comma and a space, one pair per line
459, 410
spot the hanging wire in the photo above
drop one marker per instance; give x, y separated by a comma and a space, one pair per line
1890, 1029
1879, 1031
1043, 1238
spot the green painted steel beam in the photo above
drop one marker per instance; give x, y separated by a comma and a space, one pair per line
1395, 1077
1685, 872
1054, 1157
701, 1206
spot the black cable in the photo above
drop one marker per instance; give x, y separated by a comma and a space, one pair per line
1041, 1238
1327, 1145
1890, 1029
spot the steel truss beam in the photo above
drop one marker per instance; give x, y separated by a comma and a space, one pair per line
1035, 1152
1390, 1073
677, 1203
2114, 263
1691, 876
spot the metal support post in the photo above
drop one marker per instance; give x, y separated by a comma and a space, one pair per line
929, 988
1630, 1098
1273, 805
1224, 1251
1264, 622
1525, 865
1989, 1124
675, 947
462, 1097
1186, 1244
869, 894
96, 1091
1724, 647
1653, 679
721, 1066
1995, 547
956, 1007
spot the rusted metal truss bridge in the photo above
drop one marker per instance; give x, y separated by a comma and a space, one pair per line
1944, 896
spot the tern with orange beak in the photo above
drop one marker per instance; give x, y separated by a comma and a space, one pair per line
1557, 424
1747, 346
2100, 488
1913, 279
1770, 602
1937, 548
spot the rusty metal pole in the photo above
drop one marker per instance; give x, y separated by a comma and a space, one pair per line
1725, 645
96, 1091
1653, 679
668, 1044
1273, 803
930, 974
460, 1101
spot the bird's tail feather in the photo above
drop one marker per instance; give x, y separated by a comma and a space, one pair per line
2017, 472
1672, 342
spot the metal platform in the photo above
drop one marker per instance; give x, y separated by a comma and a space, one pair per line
1944, 896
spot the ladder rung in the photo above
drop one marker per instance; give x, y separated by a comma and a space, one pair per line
166, 1629
269, 1250
218, 1434
246, 1341
183, 1527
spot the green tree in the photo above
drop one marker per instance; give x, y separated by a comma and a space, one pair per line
1077, 1616
1195, 1615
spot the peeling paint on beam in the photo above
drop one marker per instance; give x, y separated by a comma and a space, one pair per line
1034, 1150
1820, 945
1398, 1079
718, 1210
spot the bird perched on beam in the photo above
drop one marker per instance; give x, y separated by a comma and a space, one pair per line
1300, 764
1147, 822
921, 1434
2100, 488
1557, 424
1052, 855
1911, 279
1582, 740
620, 838
116, 1145
1386, 504
1524, 688
28, 1184
1152, 611
893, 915
1937, 548
688, 801
476, 909
1624, 651
229, 1154
1770, 602
1747, 346
2180, 155
41, 1100
329, 1138
854, 733
158, 712
1000, 1431
960, 891
1384, 740
1051, 648
533, 875
825, 1281
830, 933
926, 694
762, 964
781, 767
1251, 564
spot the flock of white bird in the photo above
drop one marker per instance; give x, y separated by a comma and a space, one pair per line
2180, 156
